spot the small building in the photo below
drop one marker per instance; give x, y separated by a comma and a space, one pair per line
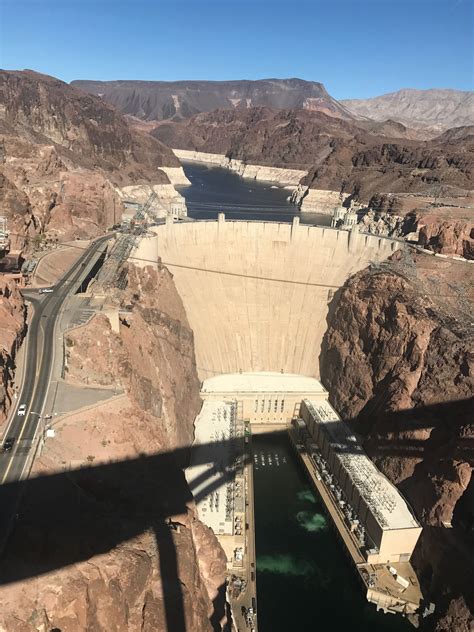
345, 218
338, 216
264, 397
350, 219
178, 207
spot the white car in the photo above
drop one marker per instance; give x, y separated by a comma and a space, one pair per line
46, 290
21, 410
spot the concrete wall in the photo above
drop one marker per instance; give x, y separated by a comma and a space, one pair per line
267, 312
397, 545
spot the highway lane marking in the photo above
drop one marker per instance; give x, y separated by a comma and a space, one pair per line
78, 267
12, 456
18, 391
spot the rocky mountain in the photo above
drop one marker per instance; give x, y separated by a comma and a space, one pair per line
65, 155
12, 331
339, 155
397, 360
162, 100
93, 542
434, 110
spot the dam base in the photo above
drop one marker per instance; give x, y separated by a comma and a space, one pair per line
370, 517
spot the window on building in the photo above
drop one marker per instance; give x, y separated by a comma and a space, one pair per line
256, 405
263, 405
282, 405
269, 405
276, 405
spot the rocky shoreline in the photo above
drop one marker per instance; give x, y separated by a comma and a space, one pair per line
276, 175
317, 200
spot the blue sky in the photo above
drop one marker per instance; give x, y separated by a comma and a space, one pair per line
357, 48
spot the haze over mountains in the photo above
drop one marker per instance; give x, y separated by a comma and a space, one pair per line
431, 110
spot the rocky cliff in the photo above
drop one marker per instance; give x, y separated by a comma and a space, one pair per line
12, 332
64, 157
397, 361
118, 542
162, 100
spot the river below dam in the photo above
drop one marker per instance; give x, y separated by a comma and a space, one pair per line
214, 190
304, 580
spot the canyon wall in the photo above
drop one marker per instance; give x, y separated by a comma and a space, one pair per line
94, 536
397, 360
256, 294
12, 332
66, 158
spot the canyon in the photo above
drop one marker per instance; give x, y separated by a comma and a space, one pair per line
337, 155
120, 586
67, 158
384, 327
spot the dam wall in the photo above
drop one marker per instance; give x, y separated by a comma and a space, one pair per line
256, 294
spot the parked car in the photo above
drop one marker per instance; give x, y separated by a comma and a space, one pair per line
45, 290
8, 444
21, 410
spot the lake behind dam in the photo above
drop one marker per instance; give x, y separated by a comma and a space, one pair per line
214, 190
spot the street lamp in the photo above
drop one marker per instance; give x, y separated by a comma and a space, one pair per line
43, 432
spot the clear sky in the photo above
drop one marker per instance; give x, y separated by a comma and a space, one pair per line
357, 48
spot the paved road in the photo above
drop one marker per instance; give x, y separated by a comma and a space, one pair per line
250, 594
38, 363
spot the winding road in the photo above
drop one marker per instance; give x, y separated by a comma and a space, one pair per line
38, 364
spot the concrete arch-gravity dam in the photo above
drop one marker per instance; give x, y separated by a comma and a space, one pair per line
256, 293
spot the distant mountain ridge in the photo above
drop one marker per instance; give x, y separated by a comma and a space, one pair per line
435, 110
163, 100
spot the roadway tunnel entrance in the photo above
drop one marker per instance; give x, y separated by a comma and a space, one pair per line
93, 272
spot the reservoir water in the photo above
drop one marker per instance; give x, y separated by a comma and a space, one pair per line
304, 580
214, 190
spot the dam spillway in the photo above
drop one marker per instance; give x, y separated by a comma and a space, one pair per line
257, 293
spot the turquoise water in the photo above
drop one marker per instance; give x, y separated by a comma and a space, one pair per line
304, 580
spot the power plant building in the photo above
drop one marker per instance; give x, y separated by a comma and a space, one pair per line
375, 510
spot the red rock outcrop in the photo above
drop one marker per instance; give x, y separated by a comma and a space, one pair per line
397, 361
12, 332
63, 155
447, 237
112, 560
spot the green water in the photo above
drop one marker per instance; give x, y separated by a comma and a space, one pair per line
304, 580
